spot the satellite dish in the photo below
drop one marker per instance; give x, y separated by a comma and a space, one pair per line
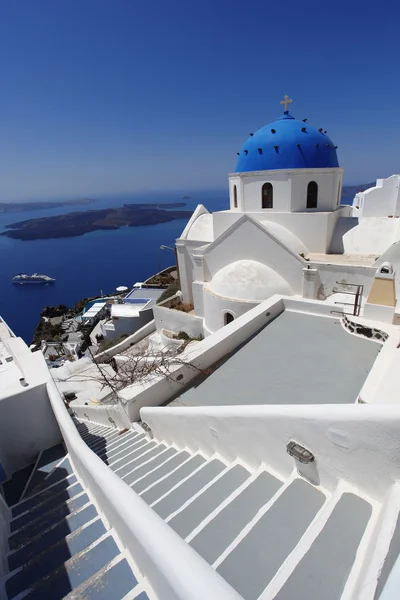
122, 288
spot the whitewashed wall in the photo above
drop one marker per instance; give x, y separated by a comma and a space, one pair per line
249, 240
330, 275
289, 189
216, 307
381, 200
110, 415
372, 235
343, 438
129, 325
27, 426
126, 343
175, 320
314, 229
186, 264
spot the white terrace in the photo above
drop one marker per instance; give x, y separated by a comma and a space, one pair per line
246, 499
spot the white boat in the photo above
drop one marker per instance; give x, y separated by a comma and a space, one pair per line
35, 278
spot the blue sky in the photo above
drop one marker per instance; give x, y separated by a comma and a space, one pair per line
102, 96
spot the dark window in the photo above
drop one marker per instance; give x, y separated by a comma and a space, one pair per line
228, 318
267, 195
235, 196
312, 194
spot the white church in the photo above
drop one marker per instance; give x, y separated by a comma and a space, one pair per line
285, 231
259, 463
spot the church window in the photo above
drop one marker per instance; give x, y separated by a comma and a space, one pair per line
312, 194
228, 318
235, 204
267, 195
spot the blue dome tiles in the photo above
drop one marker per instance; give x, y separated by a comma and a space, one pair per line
287, 144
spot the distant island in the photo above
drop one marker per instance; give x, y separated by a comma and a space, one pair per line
79, 223
11, 207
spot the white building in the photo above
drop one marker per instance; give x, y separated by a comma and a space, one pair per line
132, 312
282, 479
285, 230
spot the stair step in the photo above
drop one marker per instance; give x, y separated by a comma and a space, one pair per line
190, 517
324, 569
15, 486
251, 565
188, 488
113, 452
162, 487
61, 471
92, 429
112, 583
119, 461
161, 471
48, 460
43, 564
101, 441
33, 501
125, 464
44, 522
132, 438
216, 536
75, 571
130, 454
141, 456
390, 559
48, 538
55, 500
160, 458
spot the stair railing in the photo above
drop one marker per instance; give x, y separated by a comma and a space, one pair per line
174, 570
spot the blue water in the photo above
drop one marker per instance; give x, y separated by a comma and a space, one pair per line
91, 264
87, 265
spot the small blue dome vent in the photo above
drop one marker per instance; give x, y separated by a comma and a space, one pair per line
287, 144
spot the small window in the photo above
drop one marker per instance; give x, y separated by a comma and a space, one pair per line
267, 196
228, 318
312, 194
235, 196
385, 270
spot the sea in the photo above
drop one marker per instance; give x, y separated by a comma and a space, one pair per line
89, 265
93, 264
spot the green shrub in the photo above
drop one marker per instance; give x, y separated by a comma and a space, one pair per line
106, 344
171, 290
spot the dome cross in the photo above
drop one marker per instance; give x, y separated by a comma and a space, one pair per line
286, 100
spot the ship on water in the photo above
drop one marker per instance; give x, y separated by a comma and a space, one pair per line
35, 278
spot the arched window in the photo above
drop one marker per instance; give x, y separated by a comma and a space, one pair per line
312, 194
267, 195
228, 318
235, 196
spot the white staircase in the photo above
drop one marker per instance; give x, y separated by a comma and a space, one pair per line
267, 536
59, 545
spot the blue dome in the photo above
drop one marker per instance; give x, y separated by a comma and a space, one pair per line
287, 144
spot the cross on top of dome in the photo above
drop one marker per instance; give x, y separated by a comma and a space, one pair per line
286, 100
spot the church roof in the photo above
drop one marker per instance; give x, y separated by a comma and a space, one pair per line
287, 144
202, 229
249, 281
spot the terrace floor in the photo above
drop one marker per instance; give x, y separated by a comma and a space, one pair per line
296, 359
